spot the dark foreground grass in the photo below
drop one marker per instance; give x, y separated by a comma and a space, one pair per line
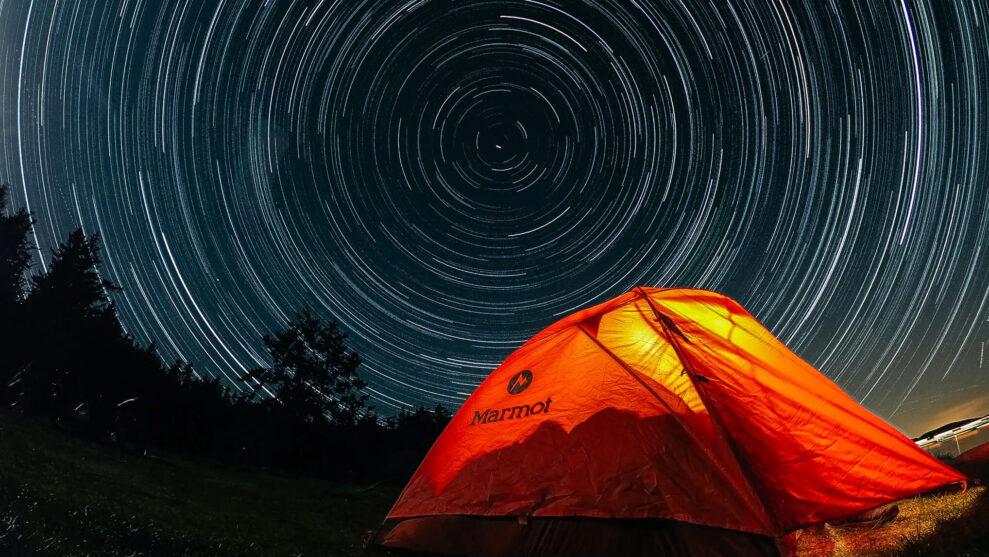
60, 496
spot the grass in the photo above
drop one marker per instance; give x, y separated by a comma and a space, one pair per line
955, 524
63, 496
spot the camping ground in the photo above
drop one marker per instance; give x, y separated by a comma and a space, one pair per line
63, 496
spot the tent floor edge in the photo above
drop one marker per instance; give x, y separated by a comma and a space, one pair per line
503, 536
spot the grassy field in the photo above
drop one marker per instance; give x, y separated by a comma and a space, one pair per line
955, 524
63, 496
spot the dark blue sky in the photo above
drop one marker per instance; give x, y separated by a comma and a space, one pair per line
447, 178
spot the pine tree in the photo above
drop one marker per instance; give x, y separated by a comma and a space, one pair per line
313, 373
81, 360
15, 253
15, 260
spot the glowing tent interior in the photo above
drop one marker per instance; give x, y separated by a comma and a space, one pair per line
664, 421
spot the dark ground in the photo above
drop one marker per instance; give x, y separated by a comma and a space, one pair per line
62, 496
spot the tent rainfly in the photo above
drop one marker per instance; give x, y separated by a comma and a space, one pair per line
662, 422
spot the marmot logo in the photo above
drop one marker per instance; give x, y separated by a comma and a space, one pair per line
519, 382
513, 413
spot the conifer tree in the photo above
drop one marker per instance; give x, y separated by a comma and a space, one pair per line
313, 373
81, 360
15, 252
15, 260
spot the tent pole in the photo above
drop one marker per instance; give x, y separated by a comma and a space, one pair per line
676, 415
665, 322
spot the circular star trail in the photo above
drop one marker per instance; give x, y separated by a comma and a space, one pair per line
446, 178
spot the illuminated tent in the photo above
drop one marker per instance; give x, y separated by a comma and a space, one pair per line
662, 422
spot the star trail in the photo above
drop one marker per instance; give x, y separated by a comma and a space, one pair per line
446, 178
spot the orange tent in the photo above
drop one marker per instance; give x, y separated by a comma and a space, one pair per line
664, 421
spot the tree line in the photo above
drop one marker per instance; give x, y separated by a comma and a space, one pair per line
66, 358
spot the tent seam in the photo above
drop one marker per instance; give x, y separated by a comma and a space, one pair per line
622, 364
745, 471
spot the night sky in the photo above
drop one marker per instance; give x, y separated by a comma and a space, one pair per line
446, 178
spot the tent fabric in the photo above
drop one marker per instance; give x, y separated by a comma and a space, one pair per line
665, 404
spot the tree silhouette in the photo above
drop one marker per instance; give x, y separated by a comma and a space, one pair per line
15, 259
15, 253
82, 361
65, 355
73, 282
313, 373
